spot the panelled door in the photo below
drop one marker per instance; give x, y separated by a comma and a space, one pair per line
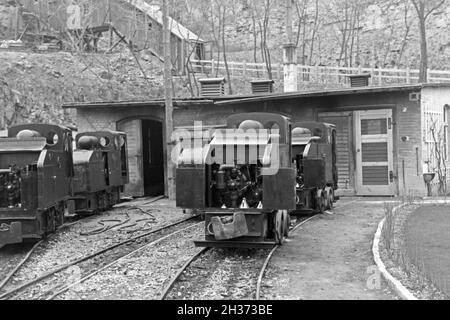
343, 123
133, 129
374, 153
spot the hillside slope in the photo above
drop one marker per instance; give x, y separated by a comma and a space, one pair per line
34, 86
380, 34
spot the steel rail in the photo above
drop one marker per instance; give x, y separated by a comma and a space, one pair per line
88, 257
20, 264
28, 255
90, 275
172, 282
269, 257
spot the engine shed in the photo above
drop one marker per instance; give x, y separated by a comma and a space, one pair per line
387, 137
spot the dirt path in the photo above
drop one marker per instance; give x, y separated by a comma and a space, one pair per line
330, 257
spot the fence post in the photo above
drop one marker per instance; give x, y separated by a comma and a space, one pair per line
244, 69
428, 75
408, 75
380, 77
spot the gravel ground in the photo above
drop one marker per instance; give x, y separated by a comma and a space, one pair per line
329, 257
221, 274
143, 275
10, 256
70, 244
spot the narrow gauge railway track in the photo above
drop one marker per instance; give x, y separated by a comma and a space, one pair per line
13, 257
44, 285
140, 273
241, 270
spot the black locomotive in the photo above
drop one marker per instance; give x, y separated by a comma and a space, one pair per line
255, 174
40, 175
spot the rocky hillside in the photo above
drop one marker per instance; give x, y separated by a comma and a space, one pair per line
385, 35
34, 86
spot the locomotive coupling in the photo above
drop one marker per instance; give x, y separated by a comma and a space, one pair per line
10, 233
224, 228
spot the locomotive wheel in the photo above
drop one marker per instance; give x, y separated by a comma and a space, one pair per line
278, 227
329, 198
59, 219
286, 224
320, 201
50, 221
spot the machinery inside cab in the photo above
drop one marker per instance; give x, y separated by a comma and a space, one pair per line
29, 149
314, 155
246, 165
243, 179
36, 170
101, 167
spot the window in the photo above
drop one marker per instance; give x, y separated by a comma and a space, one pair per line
373, 126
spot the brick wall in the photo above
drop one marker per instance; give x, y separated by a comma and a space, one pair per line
407, 121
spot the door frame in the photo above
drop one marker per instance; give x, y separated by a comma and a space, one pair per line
359, 115
140, 159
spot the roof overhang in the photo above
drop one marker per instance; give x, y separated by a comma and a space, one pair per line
325, 93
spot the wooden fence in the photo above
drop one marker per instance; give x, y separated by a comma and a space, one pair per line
316, 74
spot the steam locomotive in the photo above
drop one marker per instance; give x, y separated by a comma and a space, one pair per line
254, 174
41, 176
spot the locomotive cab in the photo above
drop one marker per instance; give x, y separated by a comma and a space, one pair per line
101, 171
245, 181
35, 168
314, 155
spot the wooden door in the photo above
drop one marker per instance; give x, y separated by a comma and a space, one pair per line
374, 153
133, 129
343, 123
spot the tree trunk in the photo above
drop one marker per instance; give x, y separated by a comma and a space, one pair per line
423, 74
168, 100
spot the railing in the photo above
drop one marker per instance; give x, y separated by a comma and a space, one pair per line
317, 74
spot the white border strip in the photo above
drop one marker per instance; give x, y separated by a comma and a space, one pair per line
393, 282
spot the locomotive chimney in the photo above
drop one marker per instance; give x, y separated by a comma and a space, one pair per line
212, 87
359, 80
262, 86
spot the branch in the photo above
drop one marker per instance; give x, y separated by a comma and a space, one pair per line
434, 8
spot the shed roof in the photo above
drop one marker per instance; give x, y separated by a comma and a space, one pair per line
333, 92
239, 99
155, 13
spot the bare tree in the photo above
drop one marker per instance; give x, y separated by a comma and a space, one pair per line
225, 61
314, 31
261, 18
438, 159
424, 8
406, 4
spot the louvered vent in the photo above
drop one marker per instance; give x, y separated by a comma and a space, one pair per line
212, 87
359, 80
262, 86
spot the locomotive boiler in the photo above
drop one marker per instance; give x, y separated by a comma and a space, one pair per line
246, 183
314, 156
42, 177
254, 174
36, 172
101, 171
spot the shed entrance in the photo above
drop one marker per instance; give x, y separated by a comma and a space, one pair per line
145, 156
153, 157
374, 152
